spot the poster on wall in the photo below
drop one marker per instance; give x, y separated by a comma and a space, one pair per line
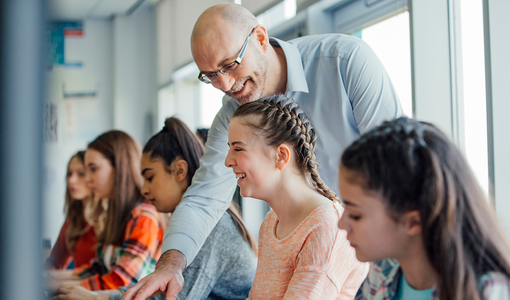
50, 123
81, 110
58, 31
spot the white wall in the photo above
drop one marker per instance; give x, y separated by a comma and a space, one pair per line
94, 50
134, 68
118, 62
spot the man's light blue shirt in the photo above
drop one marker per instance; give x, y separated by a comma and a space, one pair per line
343, 88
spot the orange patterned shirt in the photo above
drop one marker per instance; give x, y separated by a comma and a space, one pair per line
136, 257
314, 262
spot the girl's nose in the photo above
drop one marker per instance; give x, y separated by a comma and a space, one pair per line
342, 224
145, 191
229, 160
88, 178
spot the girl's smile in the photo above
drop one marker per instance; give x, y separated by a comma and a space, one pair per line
251, 160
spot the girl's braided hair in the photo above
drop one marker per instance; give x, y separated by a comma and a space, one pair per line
281, 120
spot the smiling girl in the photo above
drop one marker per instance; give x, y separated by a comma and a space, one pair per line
77, 238
302, 253
413, 206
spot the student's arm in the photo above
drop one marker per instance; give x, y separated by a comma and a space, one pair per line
59, 256
80, 293
141, 238
368, 85
203, 204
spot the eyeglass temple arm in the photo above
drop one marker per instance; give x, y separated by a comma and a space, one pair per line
241, 53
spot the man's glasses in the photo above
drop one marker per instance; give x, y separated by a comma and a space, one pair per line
229, 69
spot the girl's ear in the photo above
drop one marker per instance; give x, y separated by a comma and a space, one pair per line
282, 156
412, 222
181, 170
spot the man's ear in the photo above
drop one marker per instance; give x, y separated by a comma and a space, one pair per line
181, 170
261, 37
282, 156
412, 222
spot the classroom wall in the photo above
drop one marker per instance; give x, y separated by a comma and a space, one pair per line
134, 68
110, 82
78, 119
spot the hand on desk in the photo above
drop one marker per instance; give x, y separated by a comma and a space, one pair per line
166, 279
60, 275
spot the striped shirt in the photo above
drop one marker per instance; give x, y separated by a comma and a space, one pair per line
384, 277
314, 262
136, 257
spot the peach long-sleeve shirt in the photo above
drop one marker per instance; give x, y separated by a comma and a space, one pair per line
314, 262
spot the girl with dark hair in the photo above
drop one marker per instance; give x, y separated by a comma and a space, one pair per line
77, 238
130, 242
302, 253
413, 206
224, 268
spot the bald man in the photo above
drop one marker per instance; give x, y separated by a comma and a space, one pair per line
335, 78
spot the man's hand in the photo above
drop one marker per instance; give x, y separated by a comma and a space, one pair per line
166, 279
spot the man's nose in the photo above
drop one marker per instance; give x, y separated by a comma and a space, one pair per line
225, 82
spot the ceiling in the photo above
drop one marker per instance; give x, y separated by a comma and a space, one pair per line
92, 9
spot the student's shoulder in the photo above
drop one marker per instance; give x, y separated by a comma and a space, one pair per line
225, 227
321, 226
494, 285
327, 45
145, 210
224, 242
382, 278
326, 214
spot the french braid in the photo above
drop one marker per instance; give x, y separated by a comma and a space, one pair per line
282, 120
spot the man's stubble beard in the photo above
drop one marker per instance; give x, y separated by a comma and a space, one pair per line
258, 86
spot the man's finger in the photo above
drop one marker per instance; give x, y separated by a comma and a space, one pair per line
173, 289
130, 293
142, 291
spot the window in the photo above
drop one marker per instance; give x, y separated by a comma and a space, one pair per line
390, 40
475, 118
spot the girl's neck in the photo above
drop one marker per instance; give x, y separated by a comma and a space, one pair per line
417, 268
293, 202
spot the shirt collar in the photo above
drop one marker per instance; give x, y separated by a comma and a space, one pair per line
389, 272
296, 80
